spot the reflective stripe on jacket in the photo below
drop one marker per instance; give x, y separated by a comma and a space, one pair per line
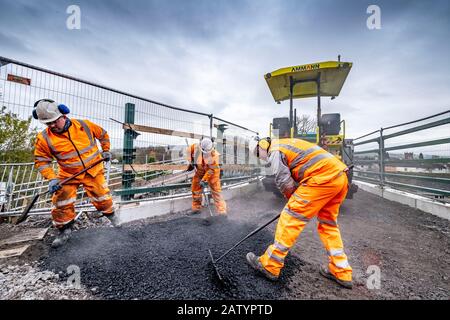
74, 149
209, 164
305, 161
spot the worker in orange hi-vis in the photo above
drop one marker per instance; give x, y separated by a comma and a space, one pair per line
315, 184
73, 144
205, 160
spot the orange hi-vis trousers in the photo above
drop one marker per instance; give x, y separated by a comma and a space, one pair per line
311, 199
216, 191
64, 199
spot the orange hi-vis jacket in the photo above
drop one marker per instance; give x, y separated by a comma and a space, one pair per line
209, 165
306, 160
74, 150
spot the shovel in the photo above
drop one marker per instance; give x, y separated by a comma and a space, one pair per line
25, 213
207, 202
214, 262
108, 172
207, 221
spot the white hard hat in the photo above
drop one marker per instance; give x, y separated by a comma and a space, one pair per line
47, 111
206, 145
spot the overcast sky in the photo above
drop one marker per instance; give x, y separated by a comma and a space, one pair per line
211, 55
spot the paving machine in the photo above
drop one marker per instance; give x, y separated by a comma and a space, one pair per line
321, 79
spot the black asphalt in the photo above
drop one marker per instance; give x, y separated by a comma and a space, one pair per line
170, 260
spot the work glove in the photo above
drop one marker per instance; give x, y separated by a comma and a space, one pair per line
190, 167
203, 184
106, 155
53, 186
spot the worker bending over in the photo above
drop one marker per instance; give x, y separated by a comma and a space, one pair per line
73, 144
205, 160
315, 184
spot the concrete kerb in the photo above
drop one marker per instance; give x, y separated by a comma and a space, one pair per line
167, 205
418, 202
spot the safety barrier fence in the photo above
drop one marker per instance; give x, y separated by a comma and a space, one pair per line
20, 181
148, 138
412, 156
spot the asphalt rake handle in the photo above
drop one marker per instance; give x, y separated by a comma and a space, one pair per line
25, 213
214, 262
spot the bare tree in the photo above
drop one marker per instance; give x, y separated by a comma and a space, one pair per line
306, 124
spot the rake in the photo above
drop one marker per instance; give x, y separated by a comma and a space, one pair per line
214, 262
25, 213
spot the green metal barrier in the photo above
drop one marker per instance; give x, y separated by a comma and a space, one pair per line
420, 179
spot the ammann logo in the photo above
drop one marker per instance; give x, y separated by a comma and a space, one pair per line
306, 67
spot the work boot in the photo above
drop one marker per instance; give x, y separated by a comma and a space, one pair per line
113, 219
324, 271
254, 262
62, 237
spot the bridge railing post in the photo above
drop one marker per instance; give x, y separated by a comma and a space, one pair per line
235, 149
128, 151
211, 117
381, 158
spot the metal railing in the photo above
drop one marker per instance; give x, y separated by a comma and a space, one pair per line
412, 156
22, 84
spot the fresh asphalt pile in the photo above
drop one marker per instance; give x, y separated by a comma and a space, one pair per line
168, 258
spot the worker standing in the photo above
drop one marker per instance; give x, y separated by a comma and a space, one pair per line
315, 184
73, 144
205, 160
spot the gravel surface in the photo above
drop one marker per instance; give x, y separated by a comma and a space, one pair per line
28, 282
167, 257
25, 277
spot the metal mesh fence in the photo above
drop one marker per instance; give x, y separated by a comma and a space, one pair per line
413, 156
233, 144
164, 131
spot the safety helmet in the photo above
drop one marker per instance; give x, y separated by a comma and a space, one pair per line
206, 145
262, 143
46, 110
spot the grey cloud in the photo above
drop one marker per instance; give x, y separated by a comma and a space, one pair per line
13, 43
211, 55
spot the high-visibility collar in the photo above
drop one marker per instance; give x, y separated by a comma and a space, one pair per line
300, 155
72, 148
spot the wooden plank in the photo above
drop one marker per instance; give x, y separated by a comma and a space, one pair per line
169, 167
27, 235
166, 132
8, 253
